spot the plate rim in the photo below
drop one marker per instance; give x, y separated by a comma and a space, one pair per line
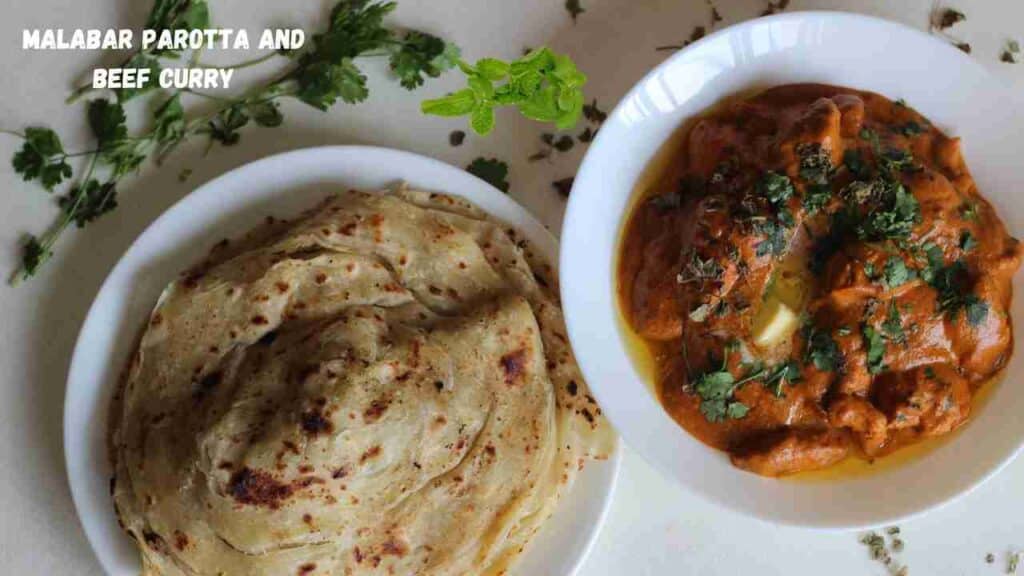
533, 229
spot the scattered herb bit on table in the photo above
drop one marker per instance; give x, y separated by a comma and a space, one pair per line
456, 138
883, 552
1011, 52
564, 186
593, 113
492, 171
574, 8
775, 6
942, 19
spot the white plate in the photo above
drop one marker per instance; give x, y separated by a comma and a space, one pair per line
280, 185
834, 48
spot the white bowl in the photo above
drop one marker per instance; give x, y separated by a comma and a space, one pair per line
945, 85
228, 206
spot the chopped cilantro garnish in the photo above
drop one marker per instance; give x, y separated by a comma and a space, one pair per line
775, 240
976, 309
777, 188
895, 160
874, 343
967, 241
896, 272
895, 216
815, 163
912, 128
820, 349
854, 162
893, 325
969, 211
816, 197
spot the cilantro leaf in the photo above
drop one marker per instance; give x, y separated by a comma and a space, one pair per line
815, 163
736, 410
265, 113
817, 197
421, 55
976, 309
107, 121
821, 350
775, 237
492, 171
855, 163
895, 273
42, 157
33, 253
893, 325
874, 343
895, 216
322, 83
777, 188
87, 202
967, 241
179, 15
224, 127
169, 121
141, 61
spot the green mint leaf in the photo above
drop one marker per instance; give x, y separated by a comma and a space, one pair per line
542, 85
87, 202
458, 104
482, 120
492, 171
492, 69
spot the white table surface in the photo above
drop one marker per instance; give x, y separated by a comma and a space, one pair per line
653, 528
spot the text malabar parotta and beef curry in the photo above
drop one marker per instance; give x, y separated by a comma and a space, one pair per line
817, 277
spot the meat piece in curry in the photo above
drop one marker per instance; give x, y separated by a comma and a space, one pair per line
818, 277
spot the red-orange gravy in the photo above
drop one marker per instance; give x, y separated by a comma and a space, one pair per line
907, 271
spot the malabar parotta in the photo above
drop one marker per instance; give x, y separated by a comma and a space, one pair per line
380, 386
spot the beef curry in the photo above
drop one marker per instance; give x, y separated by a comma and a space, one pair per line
817, 277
